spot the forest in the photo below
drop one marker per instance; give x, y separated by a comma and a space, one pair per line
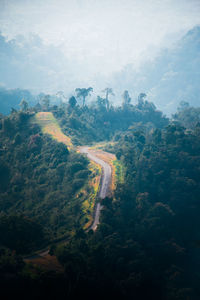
147, 242
99, 149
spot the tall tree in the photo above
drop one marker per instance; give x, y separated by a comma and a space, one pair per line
61, 96
141, 98
72, 101
126, 98
101, 102
23, 105
108, 91
45, 101
83, 93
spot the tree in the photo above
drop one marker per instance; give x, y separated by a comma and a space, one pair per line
83, 93
45, 102
108, 92
183, 105
61, 96
141, 100
101, 102
72, 101
23, 105
126, 98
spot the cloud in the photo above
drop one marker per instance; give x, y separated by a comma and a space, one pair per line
100, 36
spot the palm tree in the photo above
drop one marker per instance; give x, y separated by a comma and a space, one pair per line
83, 93
24, 105
108, 92
126, 98
141, 98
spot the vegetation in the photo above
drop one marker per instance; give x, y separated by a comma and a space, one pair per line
148, 238
147, 243
100, 121
50, 126
187, 116
39, 176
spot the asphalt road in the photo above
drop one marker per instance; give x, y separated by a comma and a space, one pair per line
105, 182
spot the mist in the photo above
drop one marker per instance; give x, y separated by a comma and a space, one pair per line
61, 45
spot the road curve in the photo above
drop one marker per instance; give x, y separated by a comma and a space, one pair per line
104, 190
105, 181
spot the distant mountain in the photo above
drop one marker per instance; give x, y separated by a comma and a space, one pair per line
173, 76
10, 98
29, 63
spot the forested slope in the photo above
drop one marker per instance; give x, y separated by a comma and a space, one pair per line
39, 177
147, 243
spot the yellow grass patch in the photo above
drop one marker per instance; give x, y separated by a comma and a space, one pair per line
49, 125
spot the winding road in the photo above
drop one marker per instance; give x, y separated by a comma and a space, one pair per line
105, 181
104, 191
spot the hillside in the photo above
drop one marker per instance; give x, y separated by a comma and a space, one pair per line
40, 178
49, 126
171, 77
148, 237
146, 244
10, 99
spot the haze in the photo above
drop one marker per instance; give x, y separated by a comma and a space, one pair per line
101, 36
86, 43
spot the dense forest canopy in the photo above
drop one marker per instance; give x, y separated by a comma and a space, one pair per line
148, 236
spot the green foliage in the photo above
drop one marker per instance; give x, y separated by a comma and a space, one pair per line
39, 178
72, 101
83, 93
146, 244
100, 122
20, 234
187, 116
21, 280
23, 105
45, 102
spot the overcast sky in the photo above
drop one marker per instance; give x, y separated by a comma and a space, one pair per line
101, 35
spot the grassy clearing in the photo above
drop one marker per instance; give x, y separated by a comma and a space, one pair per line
49, 125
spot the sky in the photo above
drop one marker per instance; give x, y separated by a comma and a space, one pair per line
99, 37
